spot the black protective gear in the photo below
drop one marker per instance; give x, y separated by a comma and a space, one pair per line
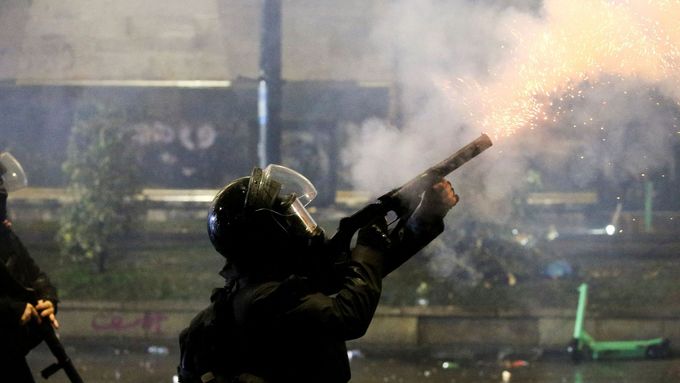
262, 211
3, 204
375, 235
227, 218
17, 340
16, 369
284, 330
23, 268
274, 322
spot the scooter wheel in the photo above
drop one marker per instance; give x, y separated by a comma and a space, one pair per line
659, 351
576, 354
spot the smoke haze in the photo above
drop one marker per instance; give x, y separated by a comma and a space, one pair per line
587, 87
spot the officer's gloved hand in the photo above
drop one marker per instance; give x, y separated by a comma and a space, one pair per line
438, 200
375, 235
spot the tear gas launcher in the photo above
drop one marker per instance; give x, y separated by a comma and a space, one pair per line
45, 328
404, 199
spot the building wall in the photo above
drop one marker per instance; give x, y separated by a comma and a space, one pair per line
439, 328
182, 40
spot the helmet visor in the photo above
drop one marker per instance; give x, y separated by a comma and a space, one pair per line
291, 182
296, 189
12, 176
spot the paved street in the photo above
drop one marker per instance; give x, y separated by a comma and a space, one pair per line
149, 363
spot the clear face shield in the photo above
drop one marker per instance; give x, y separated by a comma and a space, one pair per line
12, 176
279, 184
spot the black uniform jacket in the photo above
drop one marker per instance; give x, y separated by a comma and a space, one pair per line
24, 270
286, 330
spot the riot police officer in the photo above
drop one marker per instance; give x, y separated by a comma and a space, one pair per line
276, 319
18, 318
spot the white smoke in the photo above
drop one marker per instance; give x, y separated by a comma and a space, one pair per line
465, 67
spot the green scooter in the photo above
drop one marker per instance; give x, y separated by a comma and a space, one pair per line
583, 346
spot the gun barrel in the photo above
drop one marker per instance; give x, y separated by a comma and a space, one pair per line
462, 156
417, 185
401, 200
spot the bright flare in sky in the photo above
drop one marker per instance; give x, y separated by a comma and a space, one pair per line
575, 44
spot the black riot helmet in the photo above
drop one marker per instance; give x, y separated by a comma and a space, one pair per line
260, 213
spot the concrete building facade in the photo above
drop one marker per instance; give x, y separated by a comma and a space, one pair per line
174, 40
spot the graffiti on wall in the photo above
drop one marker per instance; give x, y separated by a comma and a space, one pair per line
184, 154
149, 322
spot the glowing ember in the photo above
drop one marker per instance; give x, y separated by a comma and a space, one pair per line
576, 43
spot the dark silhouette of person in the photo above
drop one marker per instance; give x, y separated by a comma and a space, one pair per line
19, 318
278, 318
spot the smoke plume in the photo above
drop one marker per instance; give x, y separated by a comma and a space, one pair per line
587, 88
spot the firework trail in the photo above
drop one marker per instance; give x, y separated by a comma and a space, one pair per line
600, 79
576, 43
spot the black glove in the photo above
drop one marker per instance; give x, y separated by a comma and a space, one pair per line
375, 235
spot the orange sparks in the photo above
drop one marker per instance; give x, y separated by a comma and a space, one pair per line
576, 42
